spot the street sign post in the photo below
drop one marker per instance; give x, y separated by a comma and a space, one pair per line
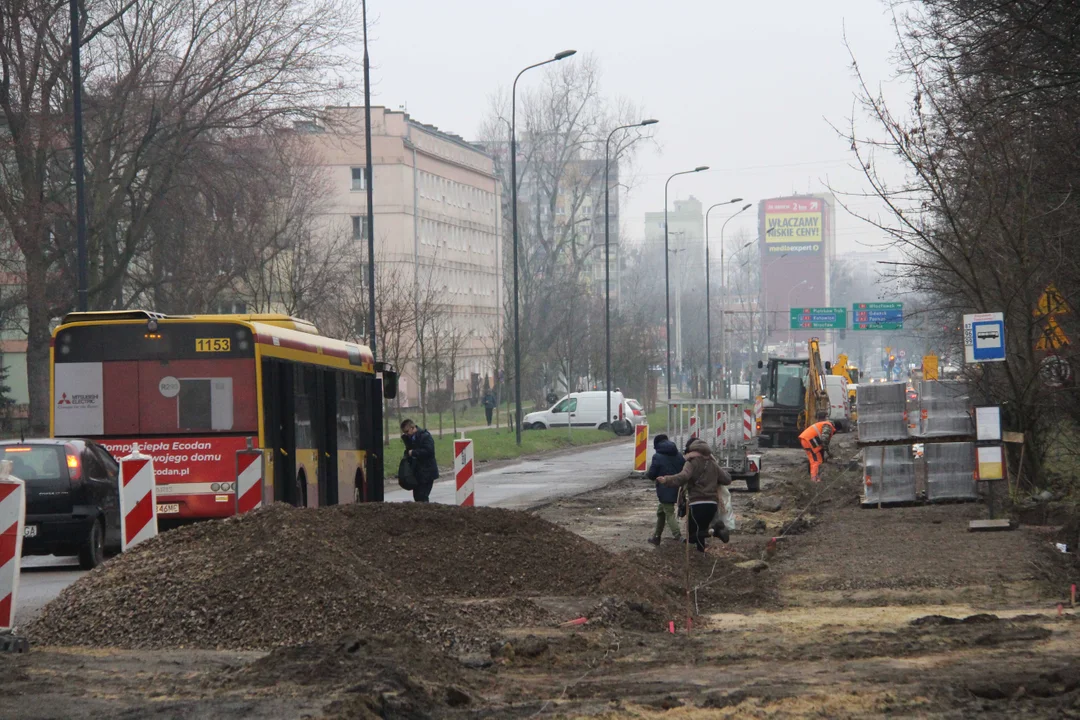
826, 318
877, 316
984, 337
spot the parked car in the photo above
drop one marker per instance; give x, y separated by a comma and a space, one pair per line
72, 497
839, 406
584, 410
635, 412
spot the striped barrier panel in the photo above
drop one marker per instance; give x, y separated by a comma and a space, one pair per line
249, 480
463, 472
138, 499
641, 447
12, 518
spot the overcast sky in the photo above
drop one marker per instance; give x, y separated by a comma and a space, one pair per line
747, 88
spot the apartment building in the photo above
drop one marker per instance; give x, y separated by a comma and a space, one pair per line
438, 216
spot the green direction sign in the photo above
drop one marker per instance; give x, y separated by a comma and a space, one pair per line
827, 318
877, 316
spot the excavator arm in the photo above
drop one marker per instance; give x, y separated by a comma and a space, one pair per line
816, 405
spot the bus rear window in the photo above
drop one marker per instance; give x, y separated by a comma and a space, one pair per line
155, 397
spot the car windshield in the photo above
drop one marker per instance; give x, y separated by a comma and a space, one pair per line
30, 462
634, 405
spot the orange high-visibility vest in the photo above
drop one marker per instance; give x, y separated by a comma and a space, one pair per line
816, 430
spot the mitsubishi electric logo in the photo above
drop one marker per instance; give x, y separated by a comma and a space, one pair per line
86, 400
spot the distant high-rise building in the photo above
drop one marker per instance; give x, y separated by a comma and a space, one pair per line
797, 238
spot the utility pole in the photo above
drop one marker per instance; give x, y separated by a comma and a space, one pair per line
369, 177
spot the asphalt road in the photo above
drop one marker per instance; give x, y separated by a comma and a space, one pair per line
522, 485
517, 486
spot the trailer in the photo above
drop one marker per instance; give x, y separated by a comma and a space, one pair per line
721, 423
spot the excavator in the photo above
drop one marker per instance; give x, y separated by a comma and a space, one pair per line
794, 397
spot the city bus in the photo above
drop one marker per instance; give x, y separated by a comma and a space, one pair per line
194, 390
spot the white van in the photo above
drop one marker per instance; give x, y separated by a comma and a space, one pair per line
581, 409
839, 404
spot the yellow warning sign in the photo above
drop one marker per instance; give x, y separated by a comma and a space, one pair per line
1053, 336
930, 367
1051, 303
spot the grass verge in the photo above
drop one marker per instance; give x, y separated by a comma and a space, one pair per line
501, 445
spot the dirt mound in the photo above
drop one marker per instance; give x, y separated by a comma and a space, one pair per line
282, 576
385, 676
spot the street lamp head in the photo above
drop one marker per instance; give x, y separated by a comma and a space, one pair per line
746, 206
735, 200
564, 54
701, 167
650, 121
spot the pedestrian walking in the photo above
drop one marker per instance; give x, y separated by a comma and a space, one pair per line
815, 441
700, 478
666, 460
489, 405
420, 452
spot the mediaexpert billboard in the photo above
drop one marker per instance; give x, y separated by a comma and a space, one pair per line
794, 226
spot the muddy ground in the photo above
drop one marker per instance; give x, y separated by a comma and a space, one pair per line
859, 613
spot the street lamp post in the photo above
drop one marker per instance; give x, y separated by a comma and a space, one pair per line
708, 301
725, 348
513, 210
82, 270
607, 259
667, 275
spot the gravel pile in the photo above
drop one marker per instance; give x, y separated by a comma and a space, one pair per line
282, 576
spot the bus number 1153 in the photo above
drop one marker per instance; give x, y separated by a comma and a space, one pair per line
212, 345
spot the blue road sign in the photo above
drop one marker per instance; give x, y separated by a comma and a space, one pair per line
984, 337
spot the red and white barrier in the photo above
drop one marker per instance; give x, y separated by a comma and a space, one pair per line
721, 427
641, 447
464, 471
138, 499
747, 424
693, 427
759, 409
12, 518
249, 480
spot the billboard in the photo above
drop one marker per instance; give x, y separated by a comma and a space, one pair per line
794, 226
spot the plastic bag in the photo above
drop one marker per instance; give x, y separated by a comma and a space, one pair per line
406, 477
726, 511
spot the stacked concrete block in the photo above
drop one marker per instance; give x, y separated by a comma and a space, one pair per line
944, 409
950, 471
891, 482
882, 412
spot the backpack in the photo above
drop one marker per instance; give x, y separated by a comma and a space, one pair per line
406, 476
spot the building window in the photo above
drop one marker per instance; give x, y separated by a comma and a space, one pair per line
359, 227
358, 179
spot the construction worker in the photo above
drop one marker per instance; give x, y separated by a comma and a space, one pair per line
815, 441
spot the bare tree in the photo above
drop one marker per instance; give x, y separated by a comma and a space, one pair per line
167, 83
564, 126
986, 212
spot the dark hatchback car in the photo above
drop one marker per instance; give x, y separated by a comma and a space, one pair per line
72, 497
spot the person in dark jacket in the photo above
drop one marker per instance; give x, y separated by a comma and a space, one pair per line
420, 450
702, 477
666, 460
489, 405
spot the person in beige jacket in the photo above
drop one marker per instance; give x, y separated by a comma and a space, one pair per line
701, 478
